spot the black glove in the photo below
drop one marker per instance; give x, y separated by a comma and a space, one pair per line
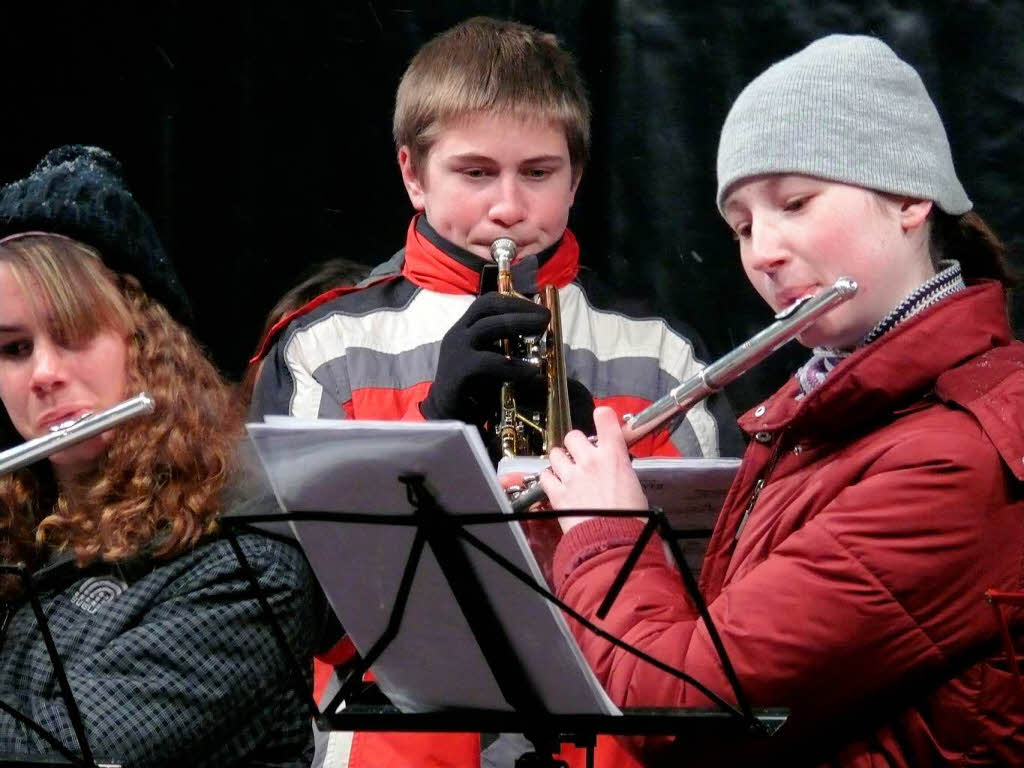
470, 367
533, 395
581, 407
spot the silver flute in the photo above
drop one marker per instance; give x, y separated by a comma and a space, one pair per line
788, 324
68, 433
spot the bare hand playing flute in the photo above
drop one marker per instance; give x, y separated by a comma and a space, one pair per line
588, 476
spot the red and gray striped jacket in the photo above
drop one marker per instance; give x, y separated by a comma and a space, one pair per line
371, 352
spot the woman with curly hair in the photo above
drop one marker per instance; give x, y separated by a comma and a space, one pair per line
166, 651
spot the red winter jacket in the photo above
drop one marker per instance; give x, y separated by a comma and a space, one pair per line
851, 587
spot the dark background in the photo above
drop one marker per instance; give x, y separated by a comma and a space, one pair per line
257, 134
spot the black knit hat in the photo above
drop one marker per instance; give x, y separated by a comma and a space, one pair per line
80, 192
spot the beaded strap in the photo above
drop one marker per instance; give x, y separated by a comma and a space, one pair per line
945, 283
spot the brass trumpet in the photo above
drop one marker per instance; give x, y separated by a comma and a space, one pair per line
531, 433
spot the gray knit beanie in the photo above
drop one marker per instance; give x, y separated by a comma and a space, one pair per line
846, 109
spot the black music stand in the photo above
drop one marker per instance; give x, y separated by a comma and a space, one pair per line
63, 757
448, 538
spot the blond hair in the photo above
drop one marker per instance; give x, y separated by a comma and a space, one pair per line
491, 66
158, 489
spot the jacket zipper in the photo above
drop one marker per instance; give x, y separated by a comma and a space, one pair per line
761, 482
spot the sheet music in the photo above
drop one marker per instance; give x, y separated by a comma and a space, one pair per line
433, 663
689, 490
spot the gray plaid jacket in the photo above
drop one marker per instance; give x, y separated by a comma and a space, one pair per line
170, 662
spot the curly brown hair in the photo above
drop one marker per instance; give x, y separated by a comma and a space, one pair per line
157, 490
971, 241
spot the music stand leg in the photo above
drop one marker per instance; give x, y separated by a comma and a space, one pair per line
545, 747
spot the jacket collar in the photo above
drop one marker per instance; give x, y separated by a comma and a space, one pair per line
59, 569
436, 264
896, 370
432, 262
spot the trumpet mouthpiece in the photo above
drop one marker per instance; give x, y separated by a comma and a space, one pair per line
503, 248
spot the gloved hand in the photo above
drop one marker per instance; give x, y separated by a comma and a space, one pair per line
581, 407
470, 367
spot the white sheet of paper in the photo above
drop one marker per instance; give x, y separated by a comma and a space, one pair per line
689, 490
433, 663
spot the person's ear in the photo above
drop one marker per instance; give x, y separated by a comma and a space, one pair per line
914, 213
414, 185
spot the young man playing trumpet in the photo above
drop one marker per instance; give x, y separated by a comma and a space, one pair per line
491, 127
503, 159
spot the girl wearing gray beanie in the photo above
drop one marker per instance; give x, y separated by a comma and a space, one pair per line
880, 496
